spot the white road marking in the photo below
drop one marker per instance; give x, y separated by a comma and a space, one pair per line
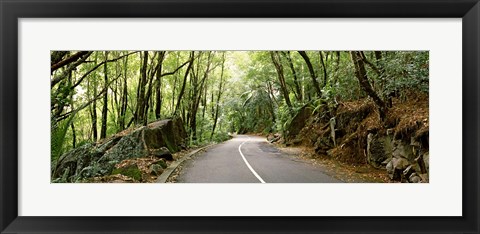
248, 164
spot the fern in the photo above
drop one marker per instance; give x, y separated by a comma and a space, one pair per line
58, 133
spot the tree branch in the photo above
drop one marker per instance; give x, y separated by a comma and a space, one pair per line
97, 66
99, 95
70, 68
175, 71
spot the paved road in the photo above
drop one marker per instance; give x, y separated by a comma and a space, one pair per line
249, 159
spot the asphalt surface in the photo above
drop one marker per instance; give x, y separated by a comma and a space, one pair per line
249, 159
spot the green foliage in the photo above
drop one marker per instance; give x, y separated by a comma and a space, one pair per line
57, 137
404, 71
251, 99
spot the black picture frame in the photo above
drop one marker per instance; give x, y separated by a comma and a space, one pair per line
11, 11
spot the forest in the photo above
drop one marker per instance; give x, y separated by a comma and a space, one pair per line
338, 103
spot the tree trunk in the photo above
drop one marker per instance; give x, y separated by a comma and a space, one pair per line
74, 135
158, 88
68, 60
94, 108
219, 95
182, 90
103, 131
361, 75
298, 91
72, 125
123, 109
148, 100
141, 90
278, 66
312, 72
324, 68
197, 94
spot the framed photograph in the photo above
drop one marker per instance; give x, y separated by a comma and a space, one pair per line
225, 116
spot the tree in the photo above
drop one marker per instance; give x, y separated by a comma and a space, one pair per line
182, 90
298, 91
281, 78
362, 77
254, 91
312, 72
103, 131
139, 113
219, 95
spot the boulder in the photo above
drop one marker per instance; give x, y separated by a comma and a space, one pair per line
75, 160
156, 169
273, 137
414, 178
378, 150
396, 167
402, 149
386, 161
130, 170
159, 139
298, 122
163, 152
162, 163
400, 163
322, 145
130, 146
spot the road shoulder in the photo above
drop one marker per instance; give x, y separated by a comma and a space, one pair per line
344, 172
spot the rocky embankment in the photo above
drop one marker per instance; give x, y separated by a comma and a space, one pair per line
134, 155
355, 135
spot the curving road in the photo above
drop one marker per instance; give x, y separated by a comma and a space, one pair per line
249, 159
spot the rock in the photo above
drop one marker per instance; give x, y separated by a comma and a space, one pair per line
298, 122
377, 150
274, 137
130, 146
163, 152
400, 163
396, 167
389, 168
384, 163
166, 133
270, 137
414, 142
408, 171
294, 142
162, 163
424, 177
109, 144
75, 160
322, 145
131, 171
161, 139
401, 149
414, 178
156, 169
416, 167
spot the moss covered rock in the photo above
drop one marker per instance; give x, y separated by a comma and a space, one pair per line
159, 139
131, 171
